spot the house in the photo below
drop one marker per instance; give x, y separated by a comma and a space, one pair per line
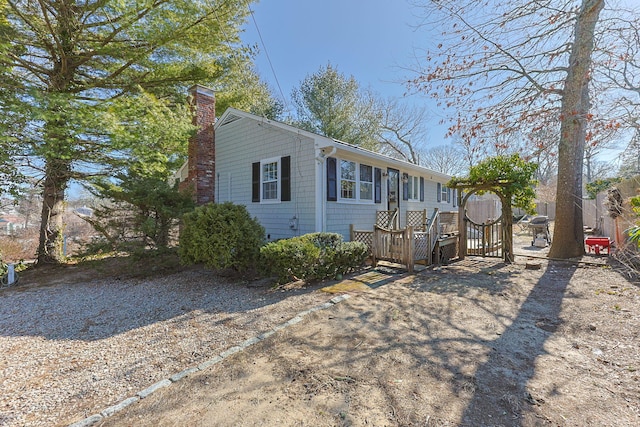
296, 182
10, 224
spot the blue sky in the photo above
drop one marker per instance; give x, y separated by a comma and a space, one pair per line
375, 41
371, 40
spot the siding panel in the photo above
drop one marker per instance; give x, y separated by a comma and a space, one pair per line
243, 142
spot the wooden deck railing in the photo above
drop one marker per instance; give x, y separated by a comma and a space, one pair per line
388, 219
394, 246
432, 234
417, 242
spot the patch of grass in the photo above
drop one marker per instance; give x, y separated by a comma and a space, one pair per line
104, 266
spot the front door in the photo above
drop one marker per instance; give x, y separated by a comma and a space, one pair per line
393, 189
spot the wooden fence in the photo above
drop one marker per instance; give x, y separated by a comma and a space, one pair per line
416, 243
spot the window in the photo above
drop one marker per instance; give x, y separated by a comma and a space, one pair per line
270, 180
347, 179
366, 182
357, 182
413, 188
443, 193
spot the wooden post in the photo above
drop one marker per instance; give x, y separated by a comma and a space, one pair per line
462, 229
424, 220
374, 246
408, 246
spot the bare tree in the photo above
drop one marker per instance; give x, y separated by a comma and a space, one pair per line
402, 131
630, 159
473, 151
522, 67
447, 159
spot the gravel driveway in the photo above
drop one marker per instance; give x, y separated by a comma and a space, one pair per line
72, 349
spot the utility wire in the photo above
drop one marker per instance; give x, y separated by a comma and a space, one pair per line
266, 53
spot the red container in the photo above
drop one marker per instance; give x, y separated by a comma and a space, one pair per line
598, 243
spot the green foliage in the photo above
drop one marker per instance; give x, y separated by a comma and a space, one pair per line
89, 88
599, 185
289, 258
142, 212
10, 175
221, 236
314, 256
634, 232
510, 176
331, 104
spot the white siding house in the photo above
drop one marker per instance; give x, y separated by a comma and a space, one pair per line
297, 182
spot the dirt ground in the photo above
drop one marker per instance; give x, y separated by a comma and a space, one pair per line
472, 343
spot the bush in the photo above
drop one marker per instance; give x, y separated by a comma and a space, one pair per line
221, 236
141, 212
350, 255
311, 256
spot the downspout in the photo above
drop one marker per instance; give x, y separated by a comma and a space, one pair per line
321, 186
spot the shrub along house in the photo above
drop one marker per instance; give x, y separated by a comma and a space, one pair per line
296, 182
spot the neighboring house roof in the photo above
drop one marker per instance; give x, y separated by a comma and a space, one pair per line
11, 219
232, 114
84, 211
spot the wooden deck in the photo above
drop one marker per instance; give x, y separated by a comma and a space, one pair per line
423, 241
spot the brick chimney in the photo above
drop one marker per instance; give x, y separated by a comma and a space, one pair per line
202, 150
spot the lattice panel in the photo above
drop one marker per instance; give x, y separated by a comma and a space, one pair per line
365, 237
417, 219
421, 246
386, 219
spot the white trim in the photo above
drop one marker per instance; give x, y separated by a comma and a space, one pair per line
320, 189
340, 179
413, 184
278, 181
357, 199
232, 114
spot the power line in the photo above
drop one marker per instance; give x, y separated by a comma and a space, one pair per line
266, 52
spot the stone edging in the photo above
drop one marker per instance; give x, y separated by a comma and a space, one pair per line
111, 410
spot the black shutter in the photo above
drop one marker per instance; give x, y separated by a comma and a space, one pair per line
285, 183
422, 189
332, 179
455, 197
439, 190
448, 195
405, 186
377, 185
255, 182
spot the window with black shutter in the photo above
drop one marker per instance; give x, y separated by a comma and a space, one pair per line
255, 182
285, 183
332, 180
377, 175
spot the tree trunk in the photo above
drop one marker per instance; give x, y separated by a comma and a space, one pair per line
53, 203
568, 239
507, 229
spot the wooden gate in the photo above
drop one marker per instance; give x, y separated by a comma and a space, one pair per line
394, 245
484, 239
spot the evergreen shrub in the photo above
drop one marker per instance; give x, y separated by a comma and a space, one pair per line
221, 236
313, 256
